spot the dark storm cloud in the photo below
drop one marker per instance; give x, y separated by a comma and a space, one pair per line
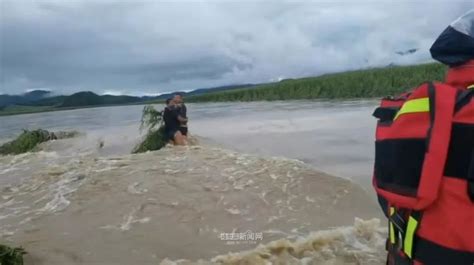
151, 46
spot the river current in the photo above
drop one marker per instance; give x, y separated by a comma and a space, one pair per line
270, 183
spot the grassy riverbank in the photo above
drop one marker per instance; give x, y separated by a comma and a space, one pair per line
356, 84
14, 110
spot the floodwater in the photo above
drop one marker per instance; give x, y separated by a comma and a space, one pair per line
333, 136
253, 186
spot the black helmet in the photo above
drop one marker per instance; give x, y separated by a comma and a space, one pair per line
455, 46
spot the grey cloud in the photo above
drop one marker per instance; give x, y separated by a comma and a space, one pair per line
206, 67
152, 46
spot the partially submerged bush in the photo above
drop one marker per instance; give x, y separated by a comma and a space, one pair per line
28, 141
151, 118
155, 139
11, 256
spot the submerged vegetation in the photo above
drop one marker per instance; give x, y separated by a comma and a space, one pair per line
29, 140
356, 84
11, 256
155, 138
26, 142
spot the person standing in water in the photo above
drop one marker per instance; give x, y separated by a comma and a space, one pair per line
173, 121
182, 110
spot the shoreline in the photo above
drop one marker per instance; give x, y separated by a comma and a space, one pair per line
52, 109
13, 113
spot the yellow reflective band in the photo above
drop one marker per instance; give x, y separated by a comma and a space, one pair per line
392, 234
470, 87
410, 233
392, 228
414, 106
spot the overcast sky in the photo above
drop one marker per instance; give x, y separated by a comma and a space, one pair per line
151, 47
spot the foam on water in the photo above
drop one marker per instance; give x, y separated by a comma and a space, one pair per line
128, 221
173, 203
362, 243
47, 193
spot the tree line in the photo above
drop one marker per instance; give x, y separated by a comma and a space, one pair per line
367, 83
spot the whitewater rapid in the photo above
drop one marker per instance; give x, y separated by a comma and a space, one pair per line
173, 206
362, 243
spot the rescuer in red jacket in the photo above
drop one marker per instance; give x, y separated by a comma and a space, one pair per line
424, 161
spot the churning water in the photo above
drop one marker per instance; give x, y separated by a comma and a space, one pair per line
250, 187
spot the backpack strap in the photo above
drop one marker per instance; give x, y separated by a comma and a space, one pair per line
442, 103
463, 98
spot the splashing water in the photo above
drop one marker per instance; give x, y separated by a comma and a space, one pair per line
362, 243
81, 207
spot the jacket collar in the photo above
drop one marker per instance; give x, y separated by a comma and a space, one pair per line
461, 76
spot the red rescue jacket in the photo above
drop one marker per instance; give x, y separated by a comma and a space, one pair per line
424, 171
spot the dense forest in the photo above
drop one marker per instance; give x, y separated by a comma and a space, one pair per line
355, 84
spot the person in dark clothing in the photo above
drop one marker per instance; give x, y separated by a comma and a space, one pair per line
173, 120
182, 110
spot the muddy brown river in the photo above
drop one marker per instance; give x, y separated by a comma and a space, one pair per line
250, 191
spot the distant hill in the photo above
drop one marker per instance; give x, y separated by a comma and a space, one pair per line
6, 100
50, 101
36, 95
41, 98
82, 99
116, 100
201, 91
88, 98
